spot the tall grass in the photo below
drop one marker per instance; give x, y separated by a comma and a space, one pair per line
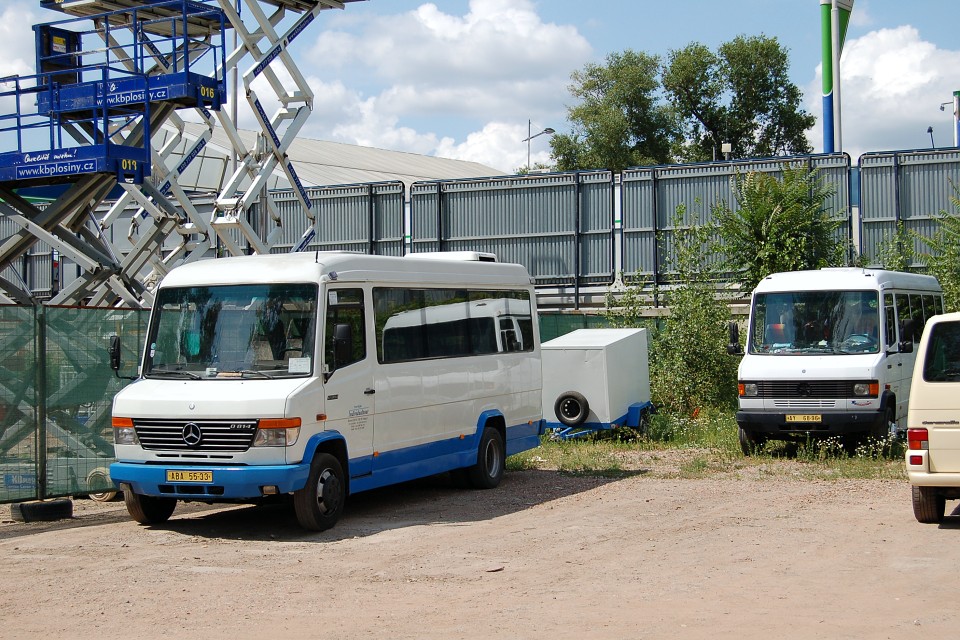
706, 445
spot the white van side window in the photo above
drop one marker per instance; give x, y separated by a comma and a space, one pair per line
941, 361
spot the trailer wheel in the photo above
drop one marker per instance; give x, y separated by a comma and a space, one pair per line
491, 461
320, 503
572, 409
928, 506
148, 509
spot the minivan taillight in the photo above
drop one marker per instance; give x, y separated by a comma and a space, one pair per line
917, 439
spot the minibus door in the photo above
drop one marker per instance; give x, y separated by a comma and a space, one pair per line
348, 377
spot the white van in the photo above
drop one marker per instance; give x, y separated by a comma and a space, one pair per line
830, 352
933, 421
290, 374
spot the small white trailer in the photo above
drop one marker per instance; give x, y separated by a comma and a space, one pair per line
595, 379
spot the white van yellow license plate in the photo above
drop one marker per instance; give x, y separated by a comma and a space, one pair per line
804, 417
189, 476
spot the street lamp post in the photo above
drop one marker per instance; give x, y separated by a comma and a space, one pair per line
547, 131
930, 131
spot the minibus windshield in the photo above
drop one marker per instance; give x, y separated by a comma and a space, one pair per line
256, 331
815, 322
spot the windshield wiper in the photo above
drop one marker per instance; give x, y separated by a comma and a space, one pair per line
178, 373
254, 373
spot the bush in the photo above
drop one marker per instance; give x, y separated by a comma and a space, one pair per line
689, 365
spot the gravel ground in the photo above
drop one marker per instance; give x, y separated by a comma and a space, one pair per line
751, 554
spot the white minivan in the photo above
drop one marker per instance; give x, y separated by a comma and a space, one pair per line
830, 353
933, 422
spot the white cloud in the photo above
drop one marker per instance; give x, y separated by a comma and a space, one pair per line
17, 48
892, 84
496, 66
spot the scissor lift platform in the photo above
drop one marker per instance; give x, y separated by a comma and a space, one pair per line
143, 39
157, 14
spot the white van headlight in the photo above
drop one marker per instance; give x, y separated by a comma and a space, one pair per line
749, 390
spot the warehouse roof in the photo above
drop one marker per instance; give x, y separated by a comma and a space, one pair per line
317, 163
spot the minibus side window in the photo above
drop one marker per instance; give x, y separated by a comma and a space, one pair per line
344, 306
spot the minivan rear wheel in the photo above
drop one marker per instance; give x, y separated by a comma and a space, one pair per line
928, 505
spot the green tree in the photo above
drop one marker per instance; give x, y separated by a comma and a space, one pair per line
742, 95
778, 225
689, 365
621, 119
943, 259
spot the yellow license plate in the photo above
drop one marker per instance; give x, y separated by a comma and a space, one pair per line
804, 418
189, 476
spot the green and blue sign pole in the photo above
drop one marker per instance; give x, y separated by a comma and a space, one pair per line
834, 18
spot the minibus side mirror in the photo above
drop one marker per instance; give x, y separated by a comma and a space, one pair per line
115, 354
907, 328
734, 348
342, 344
115, 358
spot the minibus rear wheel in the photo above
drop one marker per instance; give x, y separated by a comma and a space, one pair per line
148, 509
491, 461
320, 503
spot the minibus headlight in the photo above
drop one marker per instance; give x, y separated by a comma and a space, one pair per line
277, 433
749, 389
124, 432
871, 389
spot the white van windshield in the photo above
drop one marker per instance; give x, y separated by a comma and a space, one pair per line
232, 331
821, 322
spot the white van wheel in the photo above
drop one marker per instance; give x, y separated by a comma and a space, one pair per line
750, 441
928, 505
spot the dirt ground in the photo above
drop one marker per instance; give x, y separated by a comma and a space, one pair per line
546, 555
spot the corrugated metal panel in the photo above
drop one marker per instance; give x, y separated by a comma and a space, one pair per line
366, 218
651, 196
910, 187
532, 220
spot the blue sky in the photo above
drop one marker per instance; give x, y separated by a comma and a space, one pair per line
461, 78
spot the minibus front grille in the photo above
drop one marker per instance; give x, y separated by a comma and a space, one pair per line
805, 389
195, 435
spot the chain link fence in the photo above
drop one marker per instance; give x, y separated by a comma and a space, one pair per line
56, 390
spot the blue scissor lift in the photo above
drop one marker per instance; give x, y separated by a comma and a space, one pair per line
106, 78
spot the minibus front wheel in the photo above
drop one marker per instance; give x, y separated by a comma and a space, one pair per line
148, 509
320, 503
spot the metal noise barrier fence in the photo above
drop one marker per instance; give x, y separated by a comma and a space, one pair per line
56, 390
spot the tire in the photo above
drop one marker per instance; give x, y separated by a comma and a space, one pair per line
491, 461
928, 506
750, 441
149, 509
572, 409
42, 511
98, 484
320, 503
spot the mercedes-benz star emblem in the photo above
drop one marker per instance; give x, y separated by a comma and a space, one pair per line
192, 434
